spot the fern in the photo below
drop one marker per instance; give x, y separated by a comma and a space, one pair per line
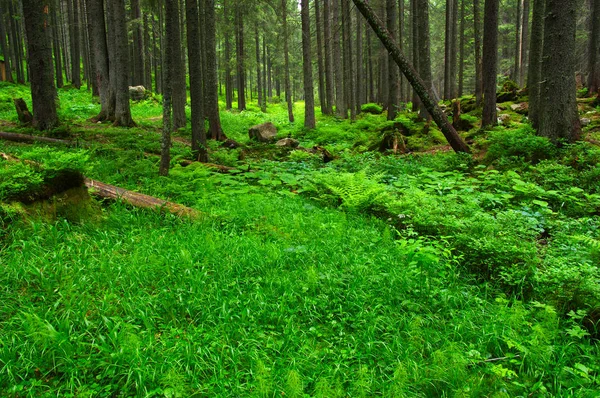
357, 191
594, 244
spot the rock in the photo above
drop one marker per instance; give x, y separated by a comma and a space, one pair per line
288, 142
506, 96
522, 108
137, 93
585, 122
504, 119
327, 156
25, 117
265, 132
230, 144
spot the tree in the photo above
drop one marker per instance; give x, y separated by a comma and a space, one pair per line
338, 62
75, 49
211, 83
524, 42
478, 60
286, 56
171, 55
534, 76
559, 119
309, 96
329, 91
178, 83
393, 73
95, 9
490, 61
3, 46
120, 62
320, 67
422, 14
138, 44
594, 50
39, 48
413, 77
196, 78
241, 70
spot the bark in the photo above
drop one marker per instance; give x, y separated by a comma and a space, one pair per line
55, 45
534, 76
15, 44
320, 68
120, 60
349, 93
518, 42
211, 82
39, 48
137, 199
30, 139
196, 79
148, 54
241, 69
259, 82
478, 60
594, 51
490, 61
453, 49
263, 106
415, 49
338, 60
448, 49
559, 118
75, 49
524, 43
172, 57
228, 80
3, 46
309, 96
138, 45
329, 90
413, 77
393, 72
422, 7
95, 9
360, 70
177, 76
461, 51
370, 79
286, 55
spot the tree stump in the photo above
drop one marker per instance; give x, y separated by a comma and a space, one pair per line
25, 117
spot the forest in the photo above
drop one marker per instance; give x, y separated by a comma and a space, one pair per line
299, 198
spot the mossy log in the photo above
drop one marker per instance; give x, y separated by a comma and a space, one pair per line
30, 139
136, 199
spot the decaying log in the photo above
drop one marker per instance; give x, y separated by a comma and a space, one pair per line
25, 117
136, 199
30, 139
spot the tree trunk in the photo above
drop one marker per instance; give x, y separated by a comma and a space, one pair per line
518, 42
448, 49
349, 92
211, 82
55, 45
239, 55
534, 77
148, 54
413, 77
329, 90
478, 60
196, 79
95, 9
122, 109
461, 51
422, 7
172, 58
178, 83
320, 71
594, 51
454, 49
227, 61
338, 60
39, 48
259, 87
75, 49
15, 44
360, 70
416, 102
559, 118
393, 75
286, 55
490, 61
309, 96
263, 106
138, 45
3, 46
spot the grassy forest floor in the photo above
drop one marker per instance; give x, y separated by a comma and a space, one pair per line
422, 274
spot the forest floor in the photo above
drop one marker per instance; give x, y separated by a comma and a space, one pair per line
424, 273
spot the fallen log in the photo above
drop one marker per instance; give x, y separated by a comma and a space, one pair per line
30, 139
136, 199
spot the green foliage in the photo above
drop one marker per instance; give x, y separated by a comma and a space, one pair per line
513, 147
374, 109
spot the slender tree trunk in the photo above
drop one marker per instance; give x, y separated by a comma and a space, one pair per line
534, 77
422, 7
89, 54
371, 79
309, 96
490, 61
178, 83
148, 53
259, 82
413, 77
75, 49
95, 9
286, 55
448, 49
63, 21
122, 109
263, 106
338, 60
15, 44
55, 45
212, 84
478, 61
461, 51
196, 78
4, 47
138, 44
518, 42
416, 102
329, 88
227, 61
393, 73
241, 70
172, 58
320, 68
559, 119
524, 43
43, 91
454, 49
360, 70
161, 59
594, 50
348, 64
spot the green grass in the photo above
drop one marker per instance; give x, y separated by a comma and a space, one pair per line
372, 275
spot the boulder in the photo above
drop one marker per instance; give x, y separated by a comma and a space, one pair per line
137, 93
522, 108
230, 144
265, 132
585, 122
288, 142
506, 96
504, 119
